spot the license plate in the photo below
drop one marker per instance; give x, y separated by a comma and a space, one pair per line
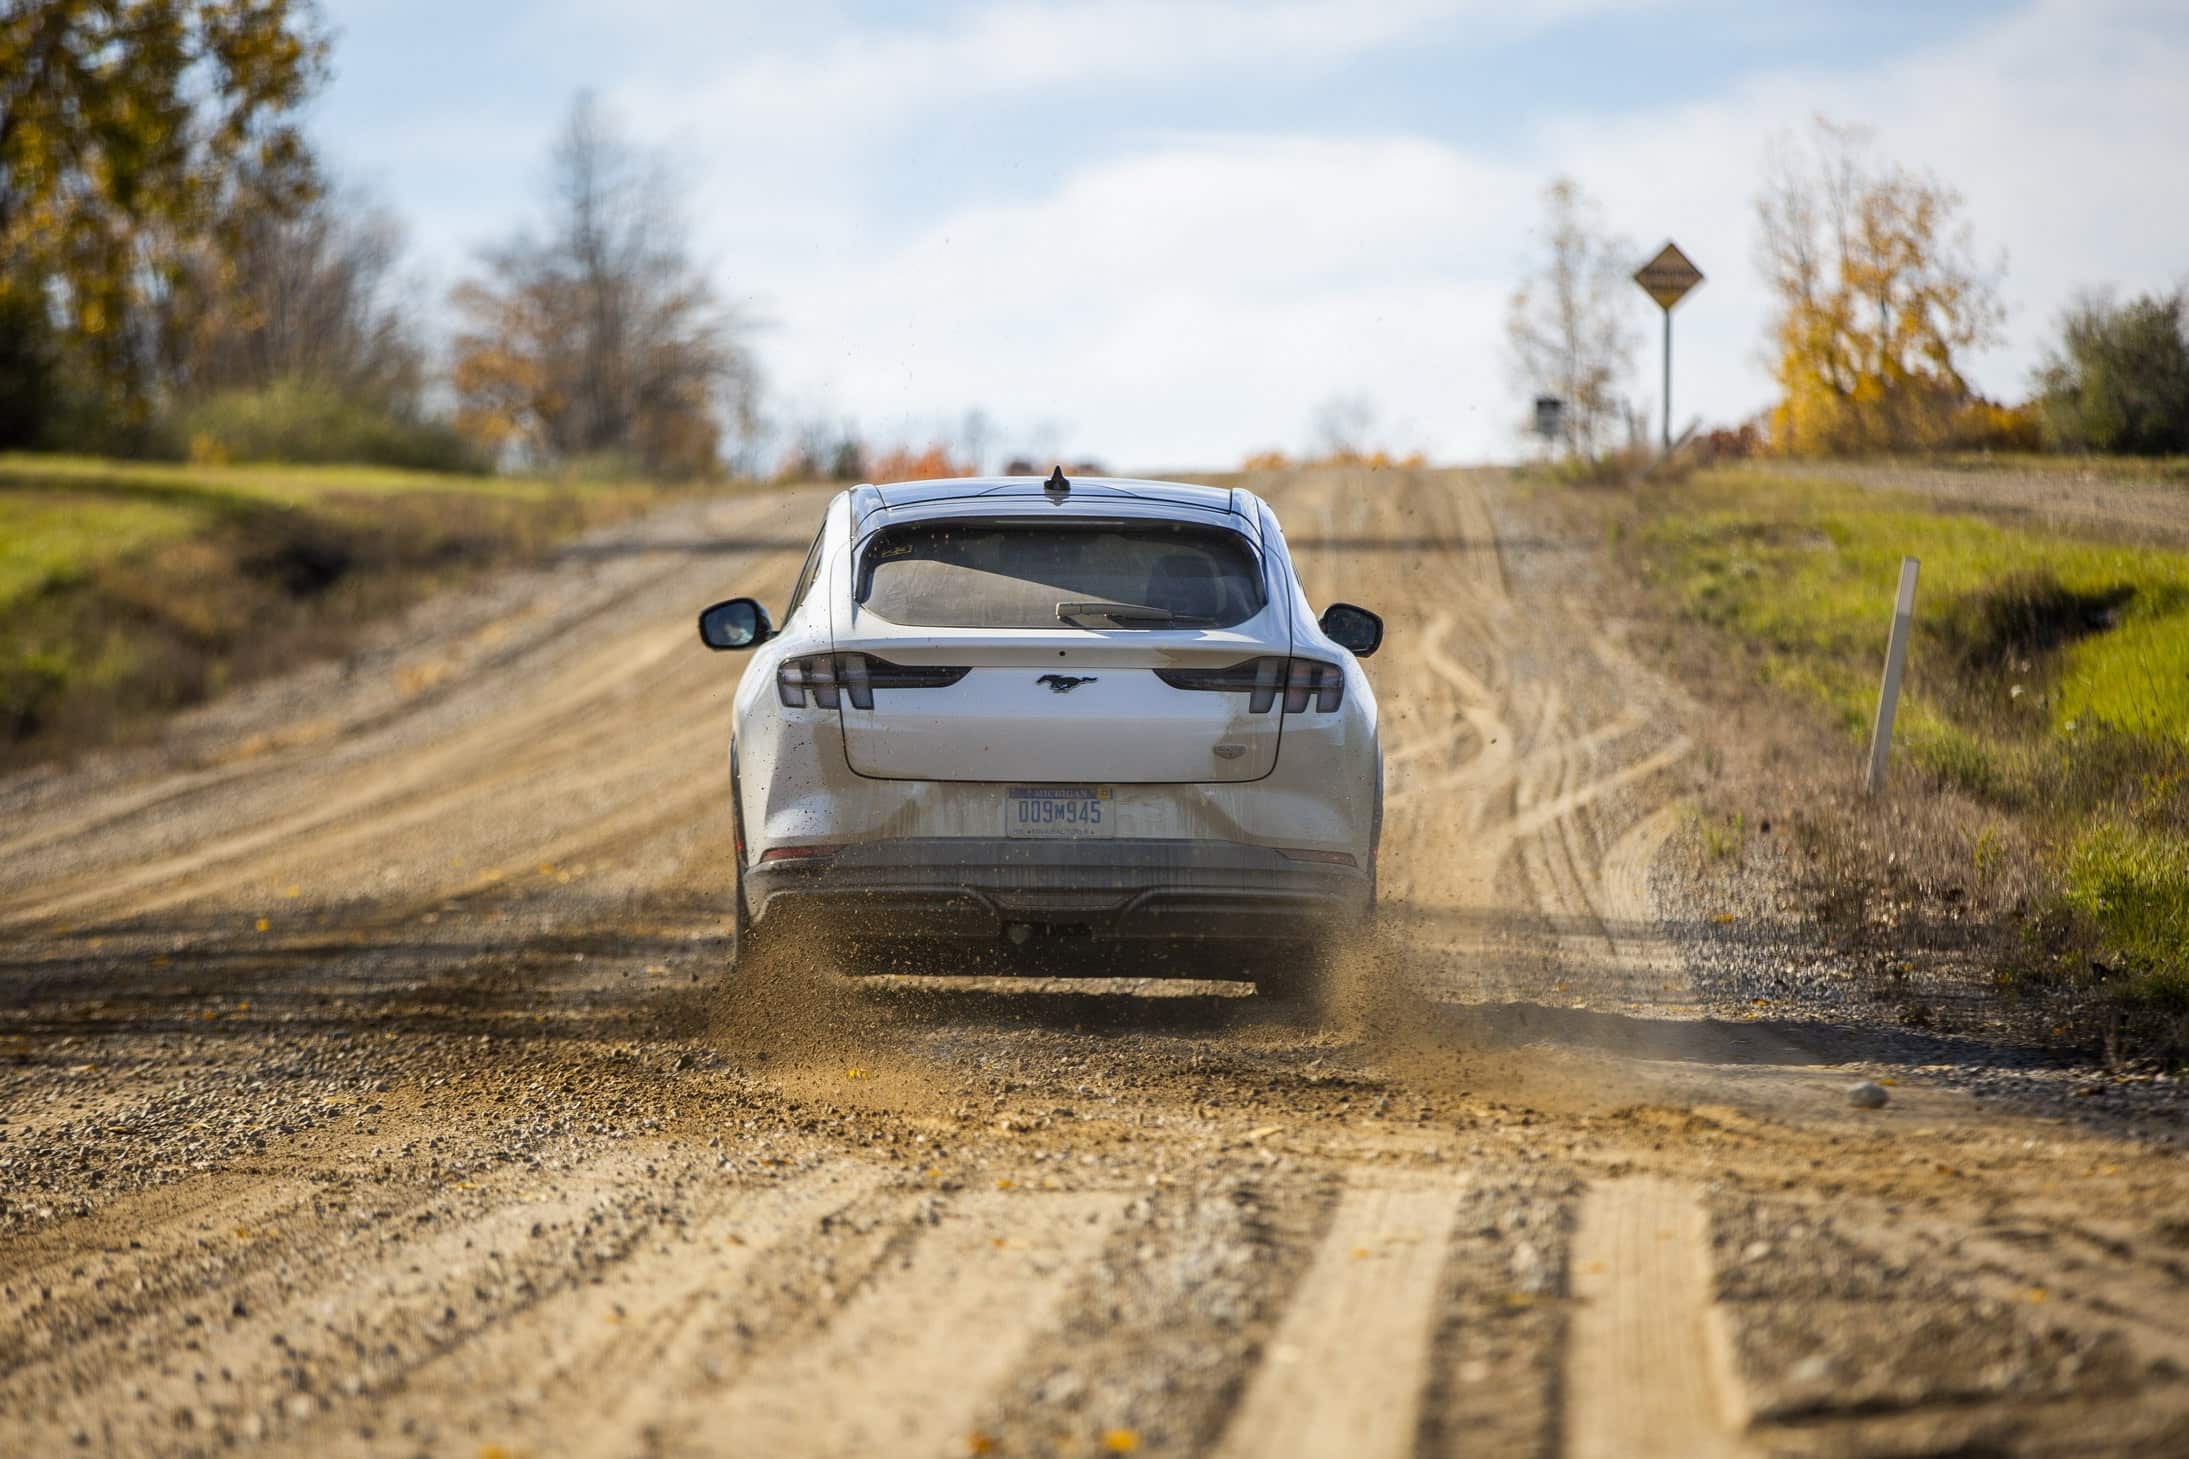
1060, 811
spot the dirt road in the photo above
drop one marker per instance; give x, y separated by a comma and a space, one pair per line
372, 1084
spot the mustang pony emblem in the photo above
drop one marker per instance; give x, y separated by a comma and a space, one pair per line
1063, 683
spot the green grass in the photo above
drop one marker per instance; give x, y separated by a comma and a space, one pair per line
1806, 569
129, 590
62, 517
2134, 886
2048, 677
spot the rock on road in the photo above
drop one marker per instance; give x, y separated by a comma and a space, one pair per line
373, 1084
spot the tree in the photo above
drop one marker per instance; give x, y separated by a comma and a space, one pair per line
2119, 380
1568, 326
1879, 298
975, 431
603, 337
126, 128
1342, 426
311, 296
824, 449
932, 464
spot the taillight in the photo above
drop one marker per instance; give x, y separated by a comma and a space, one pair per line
799, 853
820, 678
1309, 679
1301, 680
811, 678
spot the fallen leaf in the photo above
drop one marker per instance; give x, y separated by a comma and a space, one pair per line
1121, 1441
263, 924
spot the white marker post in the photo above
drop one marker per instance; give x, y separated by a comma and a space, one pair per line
1896, 658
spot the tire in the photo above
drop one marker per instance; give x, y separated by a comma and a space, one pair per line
744, 932
1296, 979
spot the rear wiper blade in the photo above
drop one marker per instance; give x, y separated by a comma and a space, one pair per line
1119, 612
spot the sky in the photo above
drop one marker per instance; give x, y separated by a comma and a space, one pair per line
1163, 233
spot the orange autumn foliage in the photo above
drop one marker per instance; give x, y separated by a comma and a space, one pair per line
901, 463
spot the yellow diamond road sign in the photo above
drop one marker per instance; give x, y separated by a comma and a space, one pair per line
1667, 277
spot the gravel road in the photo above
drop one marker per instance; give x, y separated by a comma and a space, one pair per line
372, 1084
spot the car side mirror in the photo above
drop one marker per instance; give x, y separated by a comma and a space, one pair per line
1356, 630
736, 623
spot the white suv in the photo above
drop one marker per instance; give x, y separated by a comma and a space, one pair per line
1003, 708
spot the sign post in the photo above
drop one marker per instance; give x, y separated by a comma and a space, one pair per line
1888, 694
1667, 278
1550, 417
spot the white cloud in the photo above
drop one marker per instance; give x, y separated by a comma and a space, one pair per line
1211, 290
1196, 298
865, 78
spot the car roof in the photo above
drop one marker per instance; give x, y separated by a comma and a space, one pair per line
1089, 495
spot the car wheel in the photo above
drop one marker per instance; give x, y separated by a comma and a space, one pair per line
744, 932
1295, 979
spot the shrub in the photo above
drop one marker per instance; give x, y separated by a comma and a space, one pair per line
905, 464
1985, 425
2119, 380
1724, 444
304, 422
2132, 886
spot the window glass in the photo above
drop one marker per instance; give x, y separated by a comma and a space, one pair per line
806, 574
1136, 575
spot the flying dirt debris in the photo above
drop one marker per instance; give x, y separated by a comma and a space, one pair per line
388, 1091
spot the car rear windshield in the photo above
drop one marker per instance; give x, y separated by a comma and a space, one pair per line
1113, 575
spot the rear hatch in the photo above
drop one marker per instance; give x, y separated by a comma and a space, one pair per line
1060, 650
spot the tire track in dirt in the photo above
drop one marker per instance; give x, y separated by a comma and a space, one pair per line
1646, 1376
930, 1338
1524, 817
362, 1304
611, 1365
1348, 1366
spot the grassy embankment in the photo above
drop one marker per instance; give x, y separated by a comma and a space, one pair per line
129, 590
2048, 682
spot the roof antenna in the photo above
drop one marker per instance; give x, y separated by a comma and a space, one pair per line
1056, 482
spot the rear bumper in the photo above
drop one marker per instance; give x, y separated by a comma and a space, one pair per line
974, 887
